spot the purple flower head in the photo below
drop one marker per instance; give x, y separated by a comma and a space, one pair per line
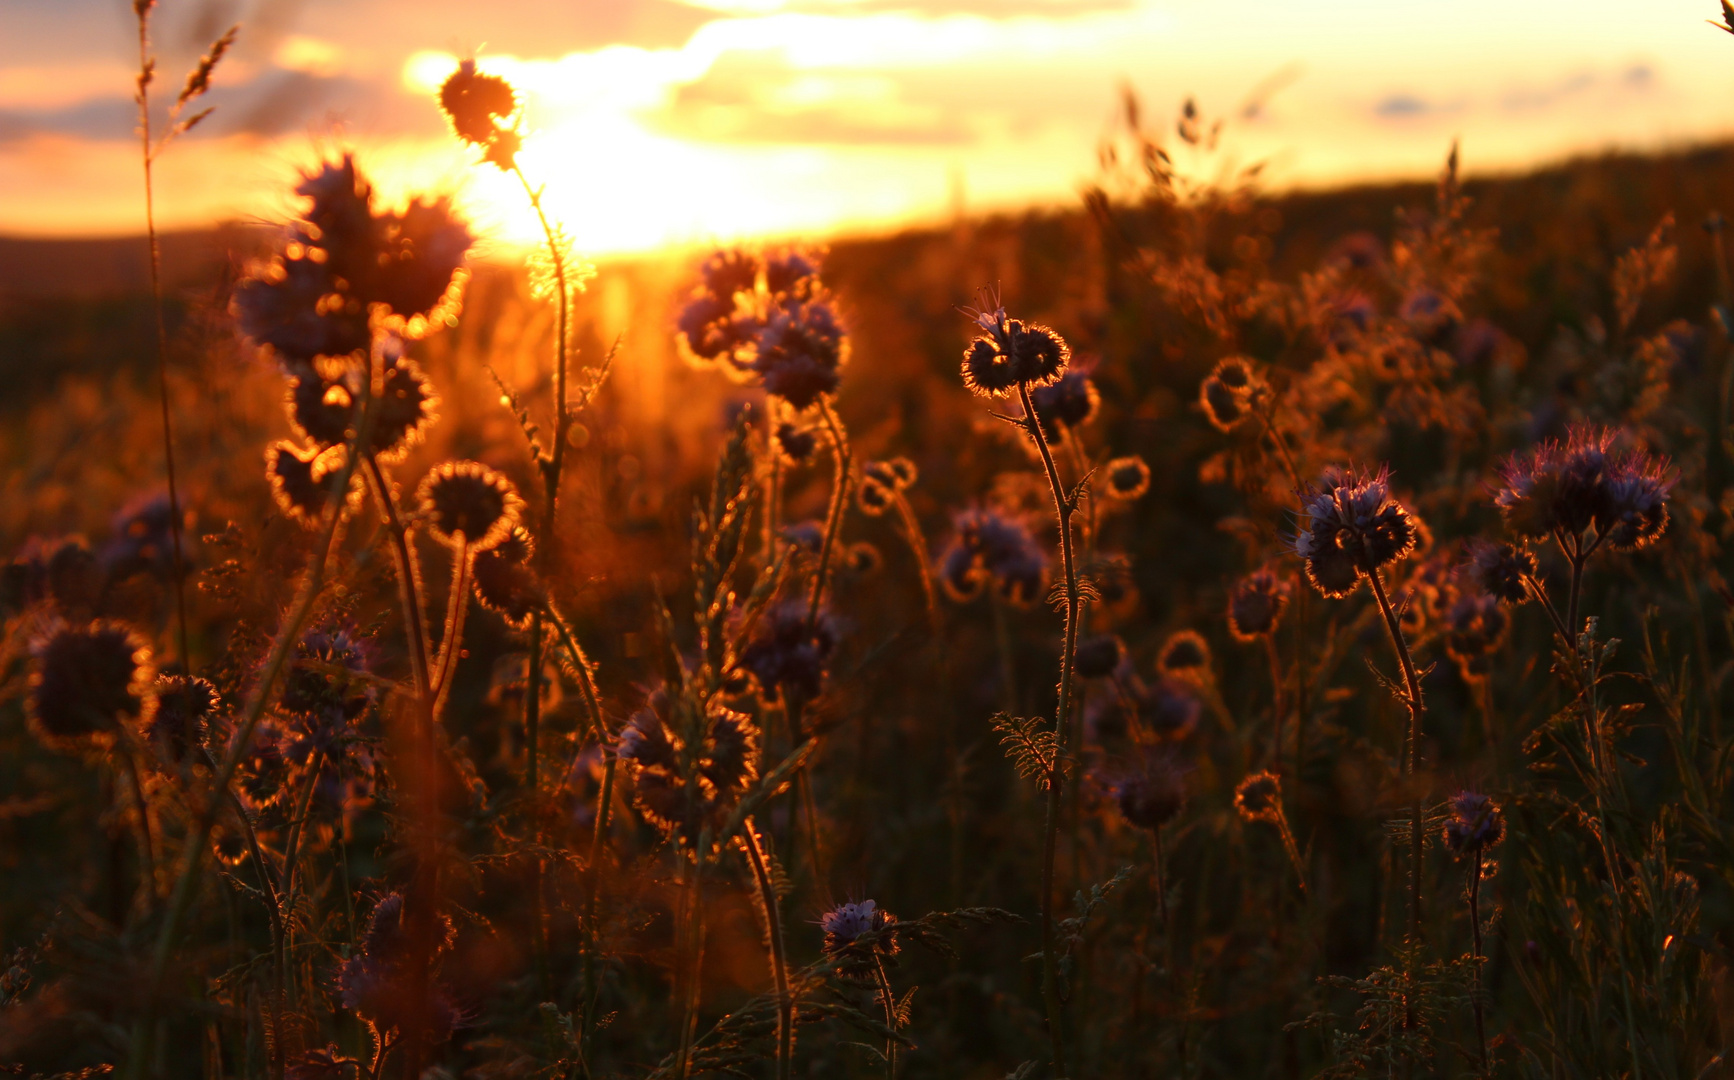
993, 548
786, 655
1259, 797
467, 503
1354, 527
1150, 790
303, 479
143, 538
1126, 478
1634, 508
1500, 570
683, 790
1475, 823
186, 706
1561, 489
1255, 605
378, 981
1474, 628
87, 681
1098, 656
1011, 353
1067, 404
328, 686
797, 445
505, 583
1229, 392
800, 351
322, 408
846, 923
62, 570
1185, 656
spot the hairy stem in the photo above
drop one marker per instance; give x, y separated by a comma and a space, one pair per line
1064, 507
452, 641
408, 579
779, 958
840, 457
890, 1002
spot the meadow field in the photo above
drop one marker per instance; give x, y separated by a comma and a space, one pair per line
1201, 632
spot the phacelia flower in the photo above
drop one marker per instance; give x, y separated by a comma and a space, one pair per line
1067, 404
991, 547
86, 682
1185, 655
786, 655
1562, 489
1150, 791
303, 479
186, 705
846, 923
1474, 628
874, 497
62, 570
1500, 570
683, 790
1259, 797
143, 538
505, 583
1127, 478
468, 504
377, 982
899, 473
1255, 605
476, 104
1229, 392
323, 409
801, 350
1011, 353
1354, 527
1098, 656
768, 317
328, 685
1475, 823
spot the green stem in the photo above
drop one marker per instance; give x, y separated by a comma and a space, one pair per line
1064, 507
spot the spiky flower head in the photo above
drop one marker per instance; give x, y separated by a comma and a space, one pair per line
1097, 656
1474, 628
378, 981
1066, 405
476, 104
322, 404
466, 504
898, 473
796, 444
505, 583
1256, 603
303, 480
142, 540
1354, 527
329, 684
1561, 489
1127, 478
788, 654
847, 923
1474, 824
991, 547
1259, 797
1500, 570
186, 705
1185, 655
1151, 790
1230, 391
767, 316
683, 790
801, 350
1011, 353
88, 681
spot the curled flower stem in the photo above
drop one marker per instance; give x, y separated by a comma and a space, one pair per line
1064, 507
148, 153
750, 843
408, 578
198, 836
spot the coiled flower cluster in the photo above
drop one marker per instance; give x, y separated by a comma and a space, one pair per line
1562, 489
683, 788
768, 318
1011, 353
1354, 528
990, 547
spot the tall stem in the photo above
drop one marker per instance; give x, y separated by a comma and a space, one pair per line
1064, 507
1412, 681
286, 897
1275, 699
1475, 985
890, 1003
148, 154
840, 457
779, 959
452, 642
408, 579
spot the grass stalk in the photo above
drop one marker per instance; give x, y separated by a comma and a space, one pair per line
751, 844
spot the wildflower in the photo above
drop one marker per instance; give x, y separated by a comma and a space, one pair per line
788, 655
991, 547
61, 570
1151, 793
302, 481
1500, 570
1259, 797
874, 497
1561, 489
800, 351
1353, 528
1185, 655
377, 983
323, 409
504, 582
808, 536
1429, 313
86, 682
1475, 823
1229, 391
1128, 478
796, 445
185, 707
719, 321
1255, 605
1634, 510
1067, 404
1474, 628
1012, 354
846, 923
684, 790
898, 474
1097, 656
862, 559
468, 504
328, 685
475, 104
143, 537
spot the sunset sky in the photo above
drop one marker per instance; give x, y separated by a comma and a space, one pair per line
686, 121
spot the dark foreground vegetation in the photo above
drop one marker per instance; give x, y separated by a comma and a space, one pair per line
1251, 637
